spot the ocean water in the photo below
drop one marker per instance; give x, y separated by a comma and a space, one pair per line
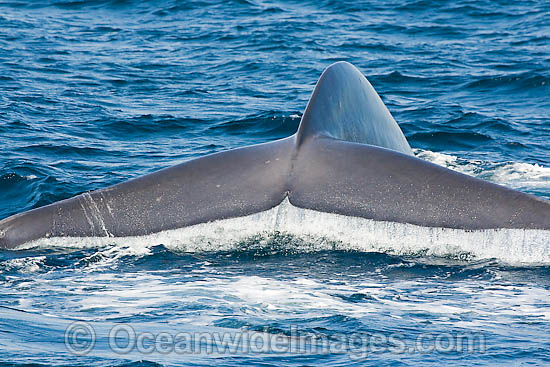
93, 93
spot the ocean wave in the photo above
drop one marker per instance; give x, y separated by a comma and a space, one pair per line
269, 123
149, 124
457, 139
524, 81
31, 264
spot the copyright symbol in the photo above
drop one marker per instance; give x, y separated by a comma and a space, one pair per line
79, 338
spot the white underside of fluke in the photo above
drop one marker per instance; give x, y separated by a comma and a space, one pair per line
316, 231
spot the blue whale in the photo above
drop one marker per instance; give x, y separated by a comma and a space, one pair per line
348, 157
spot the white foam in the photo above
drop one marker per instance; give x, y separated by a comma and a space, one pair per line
516, 175
25, 265
523, 175
316, 231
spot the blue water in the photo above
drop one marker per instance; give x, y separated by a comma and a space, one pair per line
96, 92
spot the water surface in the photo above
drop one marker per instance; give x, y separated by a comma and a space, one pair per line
96, 92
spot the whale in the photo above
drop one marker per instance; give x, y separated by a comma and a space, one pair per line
348, 157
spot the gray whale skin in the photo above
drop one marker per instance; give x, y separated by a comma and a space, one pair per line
348, 157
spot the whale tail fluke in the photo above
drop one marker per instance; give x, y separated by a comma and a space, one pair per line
348, 157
